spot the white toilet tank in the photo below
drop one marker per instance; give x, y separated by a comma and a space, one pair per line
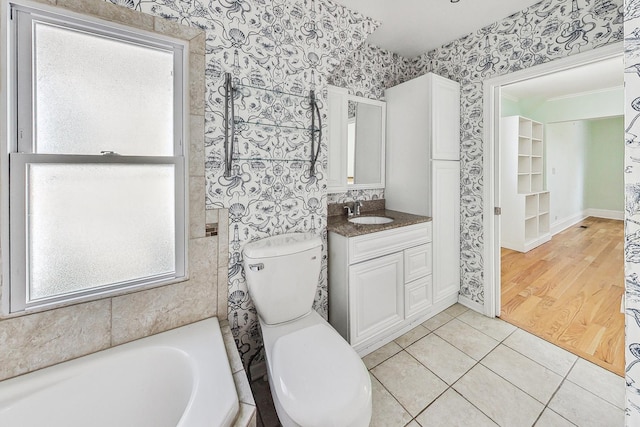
282, 275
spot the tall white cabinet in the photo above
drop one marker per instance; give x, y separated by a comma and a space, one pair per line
525, 222
423, 168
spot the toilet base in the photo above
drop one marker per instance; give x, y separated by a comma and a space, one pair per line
270, 335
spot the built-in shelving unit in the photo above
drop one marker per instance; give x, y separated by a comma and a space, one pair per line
525, 203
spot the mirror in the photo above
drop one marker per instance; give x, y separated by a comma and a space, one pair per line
364, 148
356, 141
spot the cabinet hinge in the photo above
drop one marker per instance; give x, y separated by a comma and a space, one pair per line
497, 211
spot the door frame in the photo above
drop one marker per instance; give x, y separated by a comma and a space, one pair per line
491, 157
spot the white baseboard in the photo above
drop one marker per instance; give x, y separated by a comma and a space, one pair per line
565, 223
469, 303
605, 213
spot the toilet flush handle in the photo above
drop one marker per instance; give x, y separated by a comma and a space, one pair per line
256, 267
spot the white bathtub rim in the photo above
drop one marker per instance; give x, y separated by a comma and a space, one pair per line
188, 339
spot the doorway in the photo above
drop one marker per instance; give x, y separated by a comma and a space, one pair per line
493, 252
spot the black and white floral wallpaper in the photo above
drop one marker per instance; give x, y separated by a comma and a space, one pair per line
287, 47
546, 31
632, 208
371, 70
296, 45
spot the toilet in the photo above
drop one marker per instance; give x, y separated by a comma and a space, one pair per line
316, 378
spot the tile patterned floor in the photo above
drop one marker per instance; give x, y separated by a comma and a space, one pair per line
460, 368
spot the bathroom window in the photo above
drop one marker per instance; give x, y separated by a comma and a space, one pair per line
96, 161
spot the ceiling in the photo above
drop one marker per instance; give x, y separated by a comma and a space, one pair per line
413, 27
586, 78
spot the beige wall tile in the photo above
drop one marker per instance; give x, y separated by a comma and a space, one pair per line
156, 310
211, 217
41, 339
38, 340
223, 292
173, 29
242, 388
49, 2
246, 416
110, 12
230, 345
198, 43
196, 145
196, 207
223, 234
196, 83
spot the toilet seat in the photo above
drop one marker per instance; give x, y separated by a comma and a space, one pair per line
319, 379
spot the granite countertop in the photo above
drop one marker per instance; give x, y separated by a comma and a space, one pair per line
340, 225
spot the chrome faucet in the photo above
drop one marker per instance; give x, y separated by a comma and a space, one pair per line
349, 211
356, 207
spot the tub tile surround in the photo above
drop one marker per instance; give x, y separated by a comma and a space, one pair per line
505, 387
40, 339
32, 342
248, 413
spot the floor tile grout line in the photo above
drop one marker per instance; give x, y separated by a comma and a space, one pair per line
586, 389
477, 362
556, 392
389, 391
403, 348
565, 376
533, 360
515, 385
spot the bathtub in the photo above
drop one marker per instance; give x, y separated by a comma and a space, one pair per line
177, 378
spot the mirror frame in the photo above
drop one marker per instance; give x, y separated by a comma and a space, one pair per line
338, 103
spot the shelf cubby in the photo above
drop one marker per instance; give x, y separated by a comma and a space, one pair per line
524, 183
524, 164
525, 220
536, 164
524, 146
543, 202
531, 205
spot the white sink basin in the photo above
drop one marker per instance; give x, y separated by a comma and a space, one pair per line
371, 220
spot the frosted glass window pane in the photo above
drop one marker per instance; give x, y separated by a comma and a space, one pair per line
94, 94
98, 224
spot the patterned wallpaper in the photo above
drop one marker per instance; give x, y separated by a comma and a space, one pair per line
295, 46
632, 208
371, 70
287, 47
546, 31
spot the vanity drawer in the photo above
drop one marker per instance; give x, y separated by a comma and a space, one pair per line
377, 244
417, 262
417, 296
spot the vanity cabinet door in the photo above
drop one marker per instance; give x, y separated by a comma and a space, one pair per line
418, 296
376, 295
446, 229
445, 119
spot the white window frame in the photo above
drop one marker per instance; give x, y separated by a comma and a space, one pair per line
17, 150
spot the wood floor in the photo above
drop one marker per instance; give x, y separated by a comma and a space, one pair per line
568, 291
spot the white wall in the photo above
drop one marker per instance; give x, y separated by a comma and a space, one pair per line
566, 148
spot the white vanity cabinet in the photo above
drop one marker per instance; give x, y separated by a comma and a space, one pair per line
423, 170
380, 284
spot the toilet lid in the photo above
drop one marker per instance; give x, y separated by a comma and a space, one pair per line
319, 379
